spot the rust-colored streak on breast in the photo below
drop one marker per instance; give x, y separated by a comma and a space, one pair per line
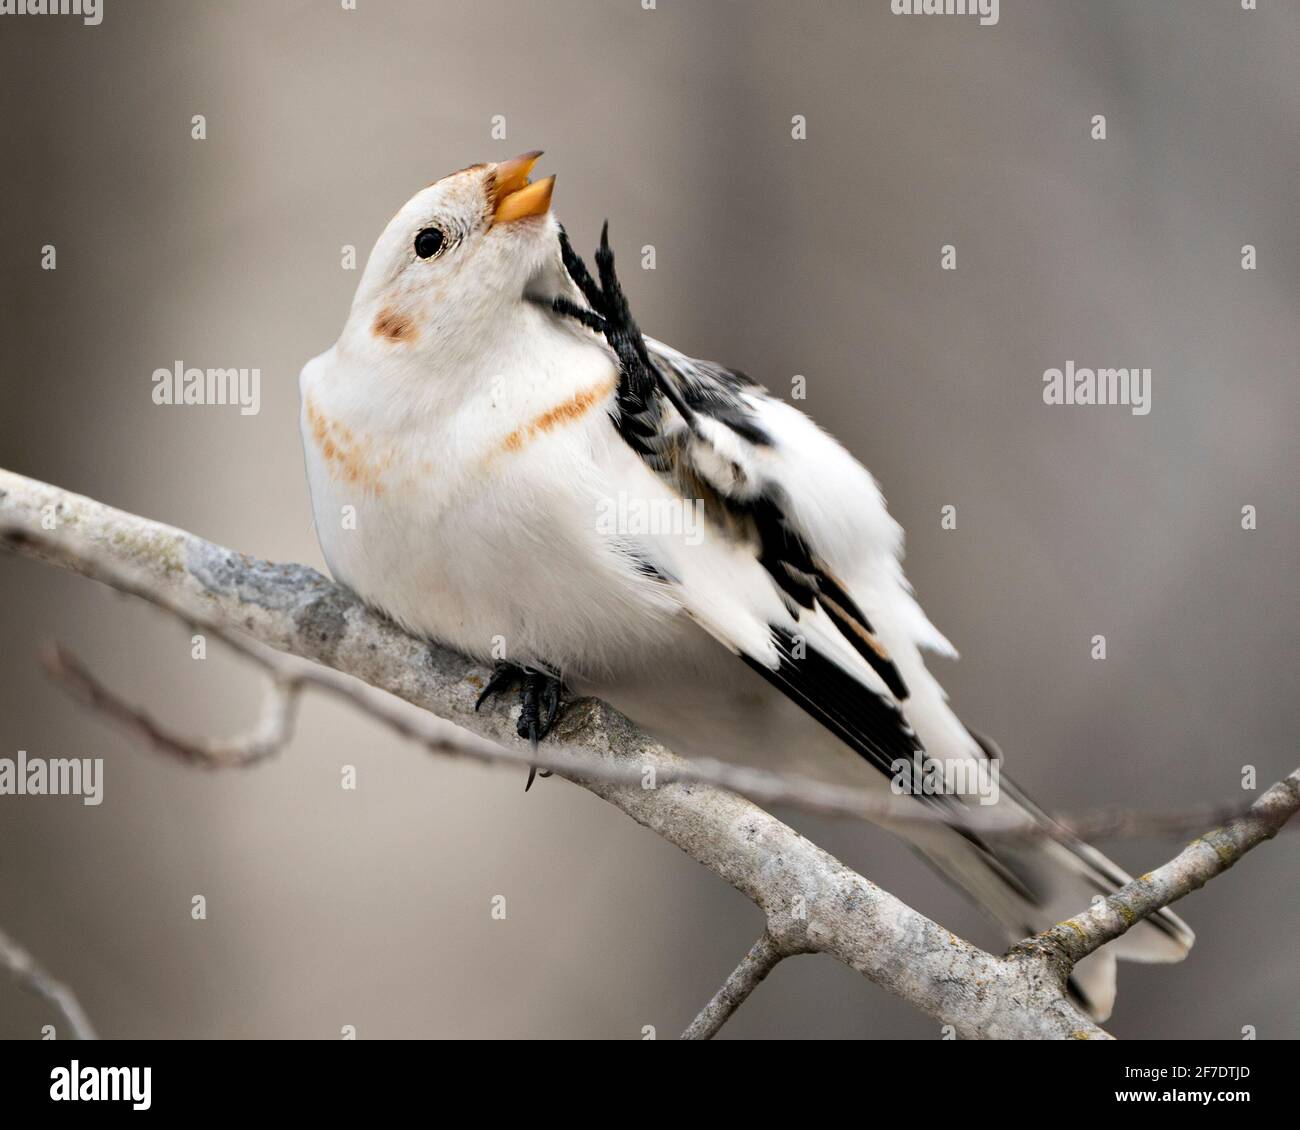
347, 456
572, 409
394, 326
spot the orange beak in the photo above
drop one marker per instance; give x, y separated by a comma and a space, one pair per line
514, 197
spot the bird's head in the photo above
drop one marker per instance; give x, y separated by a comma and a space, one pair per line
458, 255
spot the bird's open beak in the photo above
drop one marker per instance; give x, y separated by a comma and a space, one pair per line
513, 196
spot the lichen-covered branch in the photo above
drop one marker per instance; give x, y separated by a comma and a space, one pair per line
1211, 854
811, 901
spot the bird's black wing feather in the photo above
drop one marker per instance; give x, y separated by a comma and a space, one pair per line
668, 409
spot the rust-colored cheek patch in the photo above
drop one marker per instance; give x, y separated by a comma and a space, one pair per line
394, 326
572, 409
348, 456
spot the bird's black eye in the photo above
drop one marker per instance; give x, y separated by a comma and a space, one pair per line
428, 243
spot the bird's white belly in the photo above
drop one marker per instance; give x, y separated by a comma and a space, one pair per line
499, 554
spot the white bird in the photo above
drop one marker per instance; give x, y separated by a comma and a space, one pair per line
500, 461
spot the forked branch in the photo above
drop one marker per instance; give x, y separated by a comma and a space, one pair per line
812, 903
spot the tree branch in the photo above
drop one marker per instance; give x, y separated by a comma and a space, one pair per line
763, 956
1071, 941
33, 977
271, 734
812, 902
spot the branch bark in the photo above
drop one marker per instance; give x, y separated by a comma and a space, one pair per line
811, 901
763, 956
1069, 942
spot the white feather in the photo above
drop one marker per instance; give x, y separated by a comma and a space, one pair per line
458, 473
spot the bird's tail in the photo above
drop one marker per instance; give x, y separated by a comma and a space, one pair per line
1030, 884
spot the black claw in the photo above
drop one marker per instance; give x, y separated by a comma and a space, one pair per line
611, 291
579, 274
639, 376
539, 705
588, 318
503, 677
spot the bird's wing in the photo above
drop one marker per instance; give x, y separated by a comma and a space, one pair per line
781, 500
805, 517
715, 435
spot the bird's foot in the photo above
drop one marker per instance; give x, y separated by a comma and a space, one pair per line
539, 695
609, 316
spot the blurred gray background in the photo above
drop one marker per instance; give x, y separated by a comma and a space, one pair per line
817, 257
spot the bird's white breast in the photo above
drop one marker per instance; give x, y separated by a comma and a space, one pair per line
477, 524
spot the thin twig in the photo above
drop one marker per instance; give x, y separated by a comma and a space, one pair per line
763, 956
33, 977
272, 733
1204, 858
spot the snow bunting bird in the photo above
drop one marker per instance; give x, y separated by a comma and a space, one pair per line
526, 471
